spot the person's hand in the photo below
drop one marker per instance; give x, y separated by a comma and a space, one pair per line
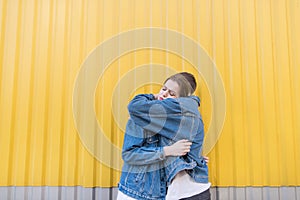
206, 159
179, 148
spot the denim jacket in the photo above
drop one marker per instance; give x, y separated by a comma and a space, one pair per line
152, 125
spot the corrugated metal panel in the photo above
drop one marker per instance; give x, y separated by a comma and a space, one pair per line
81, 193
57, 193
254, 44
261, 132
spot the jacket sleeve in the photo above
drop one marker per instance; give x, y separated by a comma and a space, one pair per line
136, 152
146, 106
161, 117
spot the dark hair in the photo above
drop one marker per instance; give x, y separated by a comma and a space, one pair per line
191, 79
186, 82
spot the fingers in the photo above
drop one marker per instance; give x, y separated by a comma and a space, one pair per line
181, 147
186, 146
186, 149
206, 159
186, 142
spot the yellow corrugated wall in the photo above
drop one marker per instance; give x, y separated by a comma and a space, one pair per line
255, 46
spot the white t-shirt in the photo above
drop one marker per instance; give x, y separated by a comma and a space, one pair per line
122, 196
184, 186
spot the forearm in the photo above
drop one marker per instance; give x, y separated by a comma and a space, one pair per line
146, 156
143, 155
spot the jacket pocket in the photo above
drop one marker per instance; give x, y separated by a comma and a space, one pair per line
151, 138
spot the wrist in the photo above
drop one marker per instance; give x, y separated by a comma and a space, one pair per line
166, 150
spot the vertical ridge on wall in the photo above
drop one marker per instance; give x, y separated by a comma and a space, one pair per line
275, 92
238, 93
65, 81
283, 91
49, 76
13, 149
30, 58
242, 97
268, 108
294, 18
292, 94
259, 95
252, 90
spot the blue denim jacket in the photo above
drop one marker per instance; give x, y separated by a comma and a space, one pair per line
146, 172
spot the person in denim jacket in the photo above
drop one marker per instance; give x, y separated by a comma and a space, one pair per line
153, 125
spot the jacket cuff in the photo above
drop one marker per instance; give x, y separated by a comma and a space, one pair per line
162, 155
